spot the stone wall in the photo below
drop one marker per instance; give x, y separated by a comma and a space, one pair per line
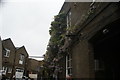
89, 18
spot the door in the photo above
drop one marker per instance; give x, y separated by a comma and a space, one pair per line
106, 52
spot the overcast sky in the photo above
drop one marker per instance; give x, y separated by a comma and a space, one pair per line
27, 23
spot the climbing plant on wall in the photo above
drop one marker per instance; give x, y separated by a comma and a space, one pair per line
57, 33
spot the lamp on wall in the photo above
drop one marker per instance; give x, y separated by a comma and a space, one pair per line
105, 31
75, 4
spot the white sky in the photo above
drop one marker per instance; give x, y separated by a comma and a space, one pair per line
27, 23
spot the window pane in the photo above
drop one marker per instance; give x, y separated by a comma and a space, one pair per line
22, 58
69, 64
7, 52
9, 70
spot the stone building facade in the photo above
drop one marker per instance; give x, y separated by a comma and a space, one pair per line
91, 47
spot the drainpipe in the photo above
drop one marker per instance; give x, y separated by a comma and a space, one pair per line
13, 68
0, 59
25, 66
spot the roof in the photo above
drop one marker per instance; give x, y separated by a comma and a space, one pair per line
8, 40
22, 47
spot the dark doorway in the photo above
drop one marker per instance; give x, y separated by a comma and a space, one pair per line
106, 45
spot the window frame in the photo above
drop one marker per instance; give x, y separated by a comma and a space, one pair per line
99, 65
9, 70
4, 68
7, 52
68, 19
21, 59
69, 65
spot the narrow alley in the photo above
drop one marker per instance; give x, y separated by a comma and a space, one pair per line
84, 44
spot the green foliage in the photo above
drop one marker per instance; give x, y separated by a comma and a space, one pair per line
58, 27
72, 29
57, 32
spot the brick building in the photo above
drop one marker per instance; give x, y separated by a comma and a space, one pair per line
20, 65
0, 58
34, 68
14, 60
8, 55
